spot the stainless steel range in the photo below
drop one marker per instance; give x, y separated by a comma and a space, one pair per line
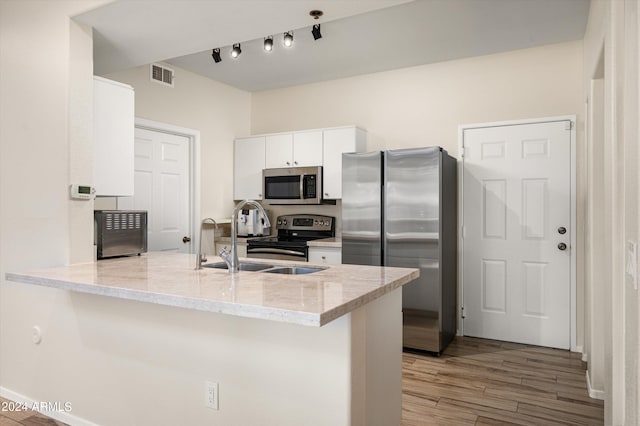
293, 233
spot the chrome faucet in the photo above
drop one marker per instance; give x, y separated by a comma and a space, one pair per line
201, 256
231, 257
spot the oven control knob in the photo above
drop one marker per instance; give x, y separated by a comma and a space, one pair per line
279, 222
284, 222
315, 222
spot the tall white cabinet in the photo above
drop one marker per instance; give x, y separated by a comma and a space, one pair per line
336, 142
317, 147
113, 137
248, 162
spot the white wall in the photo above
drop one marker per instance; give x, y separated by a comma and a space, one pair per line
424, 105
46, 63
220, 112
613, 29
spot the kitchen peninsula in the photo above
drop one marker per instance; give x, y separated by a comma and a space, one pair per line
314, 349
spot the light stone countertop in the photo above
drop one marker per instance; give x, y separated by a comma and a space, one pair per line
326, 242
170, 279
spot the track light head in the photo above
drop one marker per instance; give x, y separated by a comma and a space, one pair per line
236, 51
316, 32
268, 44
288, 39
215, 54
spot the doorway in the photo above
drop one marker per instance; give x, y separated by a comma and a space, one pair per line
166, 184
518, 231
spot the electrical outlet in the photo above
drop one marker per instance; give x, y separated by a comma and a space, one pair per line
211, 395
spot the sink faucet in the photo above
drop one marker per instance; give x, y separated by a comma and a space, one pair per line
201, 256
231, 257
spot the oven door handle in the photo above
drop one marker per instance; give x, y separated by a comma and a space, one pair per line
276, 251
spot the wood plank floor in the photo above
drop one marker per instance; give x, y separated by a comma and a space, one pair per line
487, 382
475, 382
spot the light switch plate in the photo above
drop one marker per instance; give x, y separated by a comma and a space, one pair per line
632, 264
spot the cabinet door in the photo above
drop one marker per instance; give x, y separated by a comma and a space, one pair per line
248, 162
113, 136
307, 148
279, 151
336, 142
327, 255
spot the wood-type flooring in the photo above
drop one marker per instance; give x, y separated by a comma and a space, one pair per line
487, 382
475, 382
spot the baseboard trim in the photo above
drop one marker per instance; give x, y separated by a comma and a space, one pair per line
594, 393
59, 414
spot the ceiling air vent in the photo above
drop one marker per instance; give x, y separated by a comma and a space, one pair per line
162, 75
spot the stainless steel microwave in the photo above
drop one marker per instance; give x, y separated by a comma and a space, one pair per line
292, 185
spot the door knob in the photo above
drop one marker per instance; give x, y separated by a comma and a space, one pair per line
562, 230
562, 246
186, 239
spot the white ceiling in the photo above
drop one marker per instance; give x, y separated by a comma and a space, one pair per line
359, 36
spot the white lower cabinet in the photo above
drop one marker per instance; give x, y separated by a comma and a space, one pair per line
328, 255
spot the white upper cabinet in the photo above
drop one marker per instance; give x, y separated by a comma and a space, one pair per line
113, 138
248, 162
336, 142
307, 148
299, 149
279, 150
320, 147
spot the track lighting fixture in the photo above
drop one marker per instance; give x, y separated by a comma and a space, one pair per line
216, 55
288, 38
268, 44
316, 32
236, 51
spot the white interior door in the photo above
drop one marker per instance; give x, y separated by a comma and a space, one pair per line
516, 218
162, 188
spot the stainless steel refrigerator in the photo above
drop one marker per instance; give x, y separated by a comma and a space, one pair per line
399, 208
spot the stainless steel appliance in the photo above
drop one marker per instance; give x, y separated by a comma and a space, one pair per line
293, 233
292, 185
399, 208
120, 232
251, 223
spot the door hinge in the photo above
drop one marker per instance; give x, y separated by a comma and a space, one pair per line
463, 231
462, 313
568, 125
462, 149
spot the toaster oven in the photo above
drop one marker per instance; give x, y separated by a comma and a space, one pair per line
120, 232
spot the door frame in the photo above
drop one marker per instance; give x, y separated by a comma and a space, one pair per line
573, 214
194, 169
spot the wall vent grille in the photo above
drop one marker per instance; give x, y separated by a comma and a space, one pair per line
162, 75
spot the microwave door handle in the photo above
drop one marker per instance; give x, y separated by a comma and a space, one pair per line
302, 186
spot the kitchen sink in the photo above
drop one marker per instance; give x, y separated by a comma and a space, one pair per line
265, 267
244, 266
294, 270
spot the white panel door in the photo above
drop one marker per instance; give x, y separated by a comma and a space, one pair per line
162, 188
517, 216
